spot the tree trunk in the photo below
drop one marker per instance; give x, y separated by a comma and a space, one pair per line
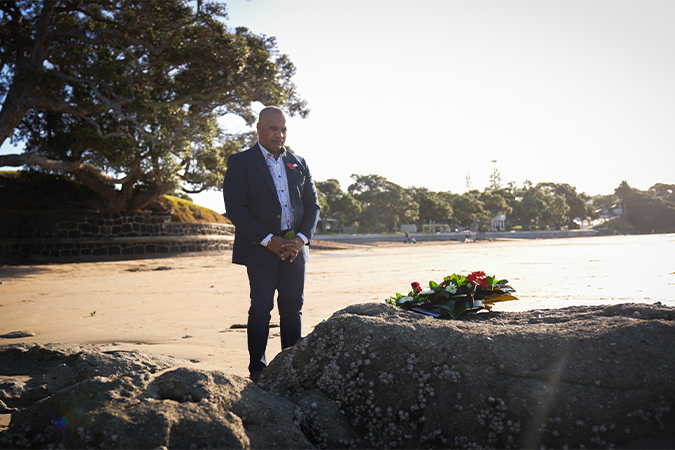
13, 109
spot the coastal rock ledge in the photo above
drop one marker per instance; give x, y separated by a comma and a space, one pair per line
371, 376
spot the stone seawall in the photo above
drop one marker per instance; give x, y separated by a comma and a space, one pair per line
66, 236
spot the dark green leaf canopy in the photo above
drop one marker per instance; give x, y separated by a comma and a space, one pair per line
124, 95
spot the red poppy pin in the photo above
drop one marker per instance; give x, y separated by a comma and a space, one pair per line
292, 166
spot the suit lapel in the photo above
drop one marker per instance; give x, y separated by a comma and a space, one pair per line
264, 169
292, 174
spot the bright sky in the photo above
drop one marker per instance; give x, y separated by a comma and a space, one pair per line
423, 92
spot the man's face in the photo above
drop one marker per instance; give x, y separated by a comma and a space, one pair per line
272, 131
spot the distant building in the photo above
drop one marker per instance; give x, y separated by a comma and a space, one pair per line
497, 223
325, 225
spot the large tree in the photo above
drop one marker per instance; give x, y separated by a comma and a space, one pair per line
650, 213
664, 191
433, 208
124, 95
468, 208
648, 210
578, 209
341, 206
622, 192
383, 203
539, 205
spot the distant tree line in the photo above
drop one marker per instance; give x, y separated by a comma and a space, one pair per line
375, 204
649, 211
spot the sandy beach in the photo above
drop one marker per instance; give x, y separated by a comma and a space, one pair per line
190, 307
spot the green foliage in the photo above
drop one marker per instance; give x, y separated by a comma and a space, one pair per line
494, 202
533, 207
645, 210
340, 205
383, 203
468, 208
185, 211
432, 207
495, 178
604, 202
124, 95
616, 223
323, 204
664, 191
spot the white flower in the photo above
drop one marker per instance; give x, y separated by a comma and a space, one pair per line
451, 288
402, 300
427, 292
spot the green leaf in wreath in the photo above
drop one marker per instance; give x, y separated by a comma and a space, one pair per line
459, 308
446, 306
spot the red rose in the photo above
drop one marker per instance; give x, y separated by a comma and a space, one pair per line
478, 278
416, 287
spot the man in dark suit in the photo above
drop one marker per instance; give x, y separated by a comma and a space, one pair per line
269, 192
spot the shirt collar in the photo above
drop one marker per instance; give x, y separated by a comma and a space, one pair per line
267, 154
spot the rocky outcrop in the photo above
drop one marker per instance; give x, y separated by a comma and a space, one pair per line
593, 377
372, 376
31, 373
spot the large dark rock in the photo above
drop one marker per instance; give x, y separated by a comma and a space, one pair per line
373, 376
79, 397
30, 373
182, 409
577, 377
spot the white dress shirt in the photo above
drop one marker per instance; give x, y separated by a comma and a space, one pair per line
278, 172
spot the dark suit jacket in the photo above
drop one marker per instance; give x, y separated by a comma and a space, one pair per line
253, 205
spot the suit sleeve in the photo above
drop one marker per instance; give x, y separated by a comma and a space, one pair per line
310, 202
235, 193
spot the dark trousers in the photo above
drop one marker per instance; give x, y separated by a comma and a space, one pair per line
288, 279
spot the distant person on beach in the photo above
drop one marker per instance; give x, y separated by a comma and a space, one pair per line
271, 200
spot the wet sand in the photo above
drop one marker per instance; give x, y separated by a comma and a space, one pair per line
190, 307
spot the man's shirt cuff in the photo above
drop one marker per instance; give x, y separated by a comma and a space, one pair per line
304, 239
265, 242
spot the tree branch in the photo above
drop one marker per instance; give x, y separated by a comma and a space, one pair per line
189, 191
65, 166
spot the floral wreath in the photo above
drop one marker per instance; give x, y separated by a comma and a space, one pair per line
455, 295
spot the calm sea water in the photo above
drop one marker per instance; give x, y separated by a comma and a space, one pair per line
583, 271
547, 273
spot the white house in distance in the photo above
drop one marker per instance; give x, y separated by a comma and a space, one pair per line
497, 223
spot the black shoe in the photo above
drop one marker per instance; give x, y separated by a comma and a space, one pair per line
255, 376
